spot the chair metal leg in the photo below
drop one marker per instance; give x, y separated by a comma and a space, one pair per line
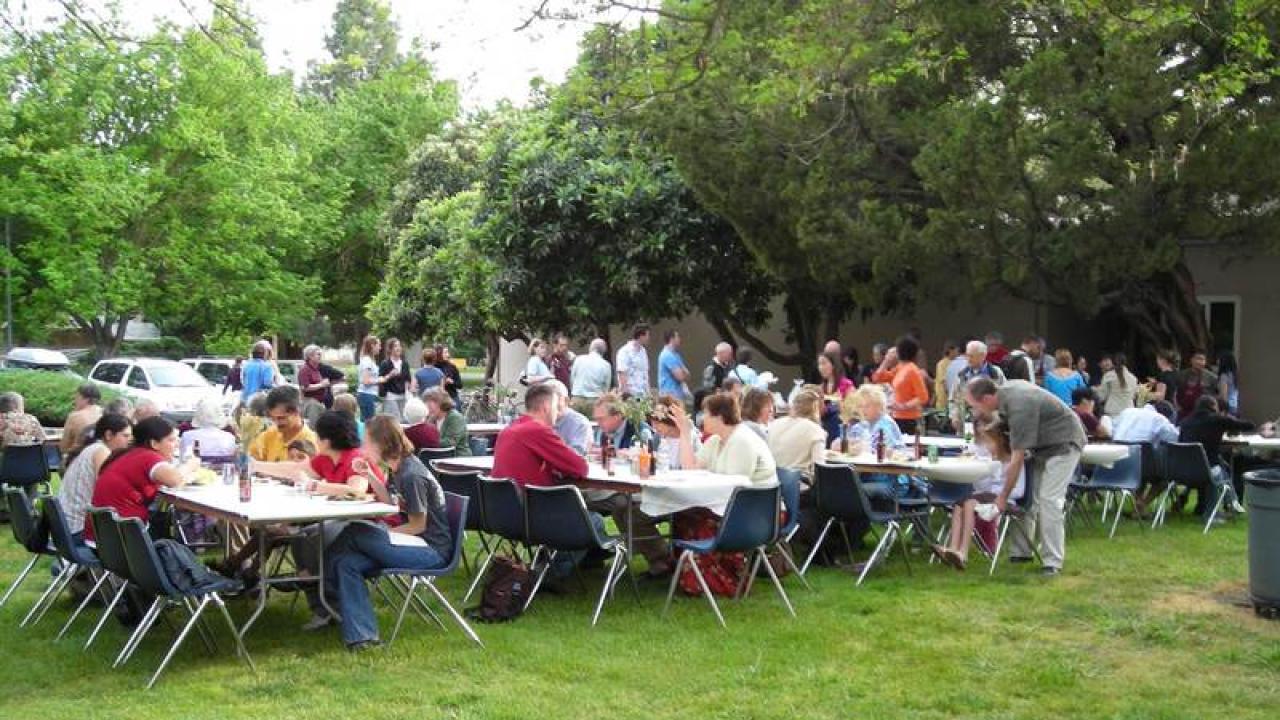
777, 584
619, 561
791, 563
101, 578
905, 545
822, 536
404, 608
542, 575
475, 582
752, 567
195, 618
51, 594
675, 580
241, 650
144, 627
202, 629
22, 576
886, 541
1217, 507
106, 614
462, 623
1106, 506
1115, 523
706, 591
420, 605
995, 555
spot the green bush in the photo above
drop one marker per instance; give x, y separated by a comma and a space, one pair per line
48, 395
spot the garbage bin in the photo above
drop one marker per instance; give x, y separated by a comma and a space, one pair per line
1263, 494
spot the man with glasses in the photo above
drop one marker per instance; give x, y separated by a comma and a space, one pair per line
287, 425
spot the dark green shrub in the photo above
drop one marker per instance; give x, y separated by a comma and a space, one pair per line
48, 395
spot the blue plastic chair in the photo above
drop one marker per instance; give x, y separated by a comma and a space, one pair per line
30, 532
750, 525
1123, 478
456, 513
76, 557
789, 482
556, 521
842, 496
24, 466
502, 509
147, 573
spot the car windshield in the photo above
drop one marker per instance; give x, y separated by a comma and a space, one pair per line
175, 375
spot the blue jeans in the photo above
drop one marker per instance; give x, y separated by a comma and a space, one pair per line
360, 552
368, 405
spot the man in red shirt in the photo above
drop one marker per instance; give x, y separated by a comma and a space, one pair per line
996, 351
529, 452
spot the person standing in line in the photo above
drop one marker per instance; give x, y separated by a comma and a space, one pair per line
1046, 433
233, 382
673, 373
561, 360
591, 375
1118, 390
452, 378
369, 380
1228, 384
632, 363
258, 375
394, 373
427, 376
718, 369
950, 351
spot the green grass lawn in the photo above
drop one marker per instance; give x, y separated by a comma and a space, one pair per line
1142, 626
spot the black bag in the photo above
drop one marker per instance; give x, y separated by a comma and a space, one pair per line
187, 574
505, 589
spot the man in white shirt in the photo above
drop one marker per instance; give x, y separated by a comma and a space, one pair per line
632, 363
590, 375
1149, 424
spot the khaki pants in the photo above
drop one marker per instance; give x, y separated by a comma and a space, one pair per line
1050, 477
646, 540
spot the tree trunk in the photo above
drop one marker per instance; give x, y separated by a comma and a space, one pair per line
1162, 313
493, 347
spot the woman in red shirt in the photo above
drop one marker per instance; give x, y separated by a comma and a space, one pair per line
130, 479
910, 393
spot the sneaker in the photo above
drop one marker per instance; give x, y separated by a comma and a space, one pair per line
318, 622
1019, 559
1049, 571
1236, 507
364, 645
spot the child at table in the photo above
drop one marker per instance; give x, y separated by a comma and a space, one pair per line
301, 451
991, 442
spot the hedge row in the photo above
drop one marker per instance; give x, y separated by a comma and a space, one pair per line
48, 395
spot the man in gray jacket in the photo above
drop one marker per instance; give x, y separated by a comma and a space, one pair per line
1047, 433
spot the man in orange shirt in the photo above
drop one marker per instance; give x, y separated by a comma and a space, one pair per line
910, 394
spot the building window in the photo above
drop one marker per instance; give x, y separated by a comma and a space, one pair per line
1222, 319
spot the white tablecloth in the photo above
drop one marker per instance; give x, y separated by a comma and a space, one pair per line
1254, 441
1104, 454
944, 442
484, 428
965, 471
672, 491
274, 503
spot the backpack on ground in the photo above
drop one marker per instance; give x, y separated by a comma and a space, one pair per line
505, 589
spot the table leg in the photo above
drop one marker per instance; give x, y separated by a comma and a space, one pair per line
631, 525
264, 585
324, 600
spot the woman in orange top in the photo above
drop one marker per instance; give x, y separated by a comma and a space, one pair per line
910, 394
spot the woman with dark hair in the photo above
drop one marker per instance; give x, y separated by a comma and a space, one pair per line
130, 478
422, 540
111, 433
1229, 383
452, 378
369, 381
1118, 390
1207, 425
394, 374
731, 448
834, 387
849, 359
910, 393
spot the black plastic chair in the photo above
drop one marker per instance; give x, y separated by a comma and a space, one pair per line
466, 484
30, 531
73, 557
148, 574
502, 510
455, 512
427, 455
750, 525
78, 556
556, 521
111, 554
24, 466
842, 497
1187, 464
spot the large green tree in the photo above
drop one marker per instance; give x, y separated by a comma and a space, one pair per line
163, 177
376, 105
876, 153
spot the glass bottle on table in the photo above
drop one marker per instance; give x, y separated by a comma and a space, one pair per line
246, 480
